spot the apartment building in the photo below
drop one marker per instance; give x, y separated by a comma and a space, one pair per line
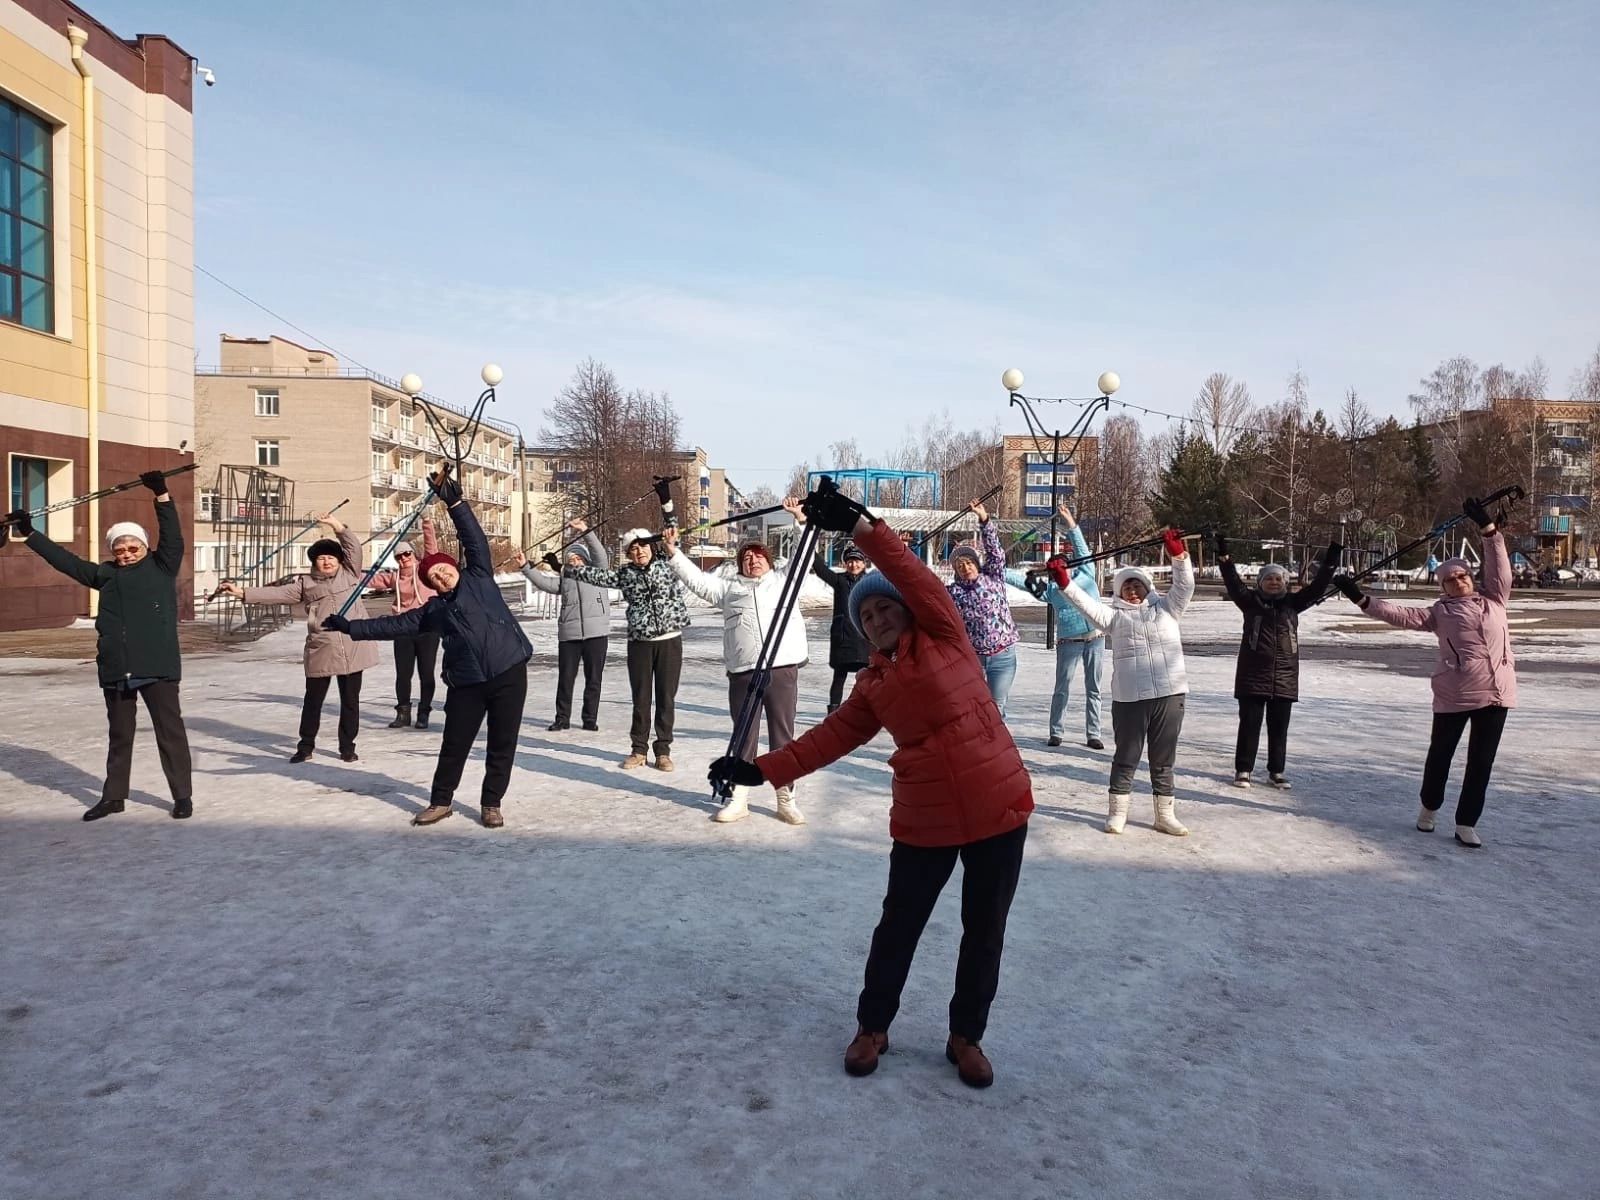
96, 285
1022, 468
338, 434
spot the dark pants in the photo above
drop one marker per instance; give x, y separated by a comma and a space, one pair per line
1277, 712
591, 652
420, 650
349, 710
654, 668
917, 875
465, 707
172, 740
1161, 720
1487, 725
836, 691
778, 702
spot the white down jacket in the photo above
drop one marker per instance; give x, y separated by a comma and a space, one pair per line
748, 606
1146, 647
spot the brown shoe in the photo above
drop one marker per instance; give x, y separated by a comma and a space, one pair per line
971, 1065
633, 761
663, 762
432, 815
492, 818
861, 1056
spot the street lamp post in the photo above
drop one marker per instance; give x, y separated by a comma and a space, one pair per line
1012, 381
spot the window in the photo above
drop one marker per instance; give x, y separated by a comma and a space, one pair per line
37, 482
266, 402
406, 464
266, 453
271, 502
380, 461
405, 419
208, 503
27, 220
380, 411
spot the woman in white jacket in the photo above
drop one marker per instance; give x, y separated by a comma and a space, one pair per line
1148, 680
749, 601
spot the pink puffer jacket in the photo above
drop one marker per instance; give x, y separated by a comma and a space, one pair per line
1475, 667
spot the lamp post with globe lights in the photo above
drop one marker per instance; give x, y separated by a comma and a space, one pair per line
1012, 381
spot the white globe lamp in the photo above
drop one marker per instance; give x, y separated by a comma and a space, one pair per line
1109, 383
1012, 380
492, 374
411, 385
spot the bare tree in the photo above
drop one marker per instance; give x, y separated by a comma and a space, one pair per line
1122, 481
1454, 388
1221, 407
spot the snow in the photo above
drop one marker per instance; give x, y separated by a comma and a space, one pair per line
297, 994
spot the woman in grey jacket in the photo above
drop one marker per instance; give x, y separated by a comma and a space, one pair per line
582, 624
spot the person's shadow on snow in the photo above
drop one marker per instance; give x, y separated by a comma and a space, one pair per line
43, 769
612, 777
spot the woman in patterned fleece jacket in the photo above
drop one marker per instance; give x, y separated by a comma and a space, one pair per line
979, 590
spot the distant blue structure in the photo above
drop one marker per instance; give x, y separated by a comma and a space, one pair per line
872, 479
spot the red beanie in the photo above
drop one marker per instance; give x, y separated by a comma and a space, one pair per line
432, 561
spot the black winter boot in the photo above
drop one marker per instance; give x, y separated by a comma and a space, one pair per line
182, 810
104, 809
422, 717
402, 716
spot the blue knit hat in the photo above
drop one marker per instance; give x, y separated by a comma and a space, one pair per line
873, 583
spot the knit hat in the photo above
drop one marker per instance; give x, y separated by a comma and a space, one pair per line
873, 583
1451, 564
325, 546
124, 529
635, 535
966, 550
1126, 573
405, 548
580, 550
432, 561
1273, 569
853, 552
752, 548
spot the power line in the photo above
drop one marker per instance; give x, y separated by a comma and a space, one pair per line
279, 317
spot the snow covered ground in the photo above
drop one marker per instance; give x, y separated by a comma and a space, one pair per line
297, 994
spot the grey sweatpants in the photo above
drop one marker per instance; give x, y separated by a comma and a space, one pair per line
1132, 721
779, 701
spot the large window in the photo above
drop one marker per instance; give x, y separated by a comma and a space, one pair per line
266, 402
266, 454
27, 239
37, 482
208, 504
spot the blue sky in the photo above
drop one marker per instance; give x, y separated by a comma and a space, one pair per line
809, 222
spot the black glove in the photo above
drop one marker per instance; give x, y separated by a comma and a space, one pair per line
833, 511
1221, 544
447, 489
550, 560
154, 480
1038, 584
336, 624
735, 771
1349, 588
1475, 509
20, 521
663, 486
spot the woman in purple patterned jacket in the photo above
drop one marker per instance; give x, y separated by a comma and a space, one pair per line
979, 590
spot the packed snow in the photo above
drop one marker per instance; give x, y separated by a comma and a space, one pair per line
298, 994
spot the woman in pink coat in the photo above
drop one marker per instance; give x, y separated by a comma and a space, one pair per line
1475, 678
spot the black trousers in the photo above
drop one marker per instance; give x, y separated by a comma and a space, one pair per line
172, 739
836, 690
419, 651
349, 710
1277, 712
654, 669
917, 875
1487, 725
465, 708
591, 652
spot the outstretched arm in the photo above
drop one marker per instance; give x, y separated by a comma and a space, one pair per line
1496, 567
386, 629
1401, 616
924, 593
475, 558
1182, 589
708, 587
853, 724
1318, 587
595, 575
169, 536
994, 558
65, 561
1095, 611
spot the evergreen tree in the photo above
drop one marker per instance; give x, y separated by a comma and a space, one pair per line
1192, 486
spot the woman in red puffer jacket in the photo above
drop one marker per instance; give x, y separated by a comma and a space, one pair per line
960, 789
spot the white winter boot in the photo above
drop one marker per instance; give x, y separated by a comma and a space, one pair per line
736, 807
788, 811
1468, 837
1424, 819
1117, 811
1166, 821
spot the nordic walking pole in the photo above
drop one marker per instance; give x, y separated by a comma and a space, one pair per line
592, 518
427, 499
99, 495
256, 566
983, 499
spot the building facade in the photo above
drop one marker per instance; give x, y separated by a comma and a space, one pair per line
96, 285
340, 435
1023, 472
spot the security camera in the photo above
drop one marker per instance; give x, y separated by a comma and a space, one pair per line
210, 79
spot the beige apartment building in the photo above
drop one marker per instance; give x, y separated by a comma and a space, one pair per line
96, 285
335, 434
1023, 471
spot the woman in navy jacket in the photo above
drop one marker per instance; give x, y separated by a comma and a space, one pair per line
485, 660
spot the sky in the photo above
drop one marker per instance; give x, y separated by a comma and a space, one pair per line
812, 222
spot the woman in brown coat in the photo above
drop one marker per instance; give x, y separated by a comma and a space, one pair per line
335, 574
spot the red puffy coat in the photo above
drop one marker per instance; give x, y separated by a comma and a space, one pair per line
957, 775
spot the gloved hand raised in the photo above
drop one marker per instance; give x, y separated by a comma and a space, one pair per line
155, 481
833, 511
736, 771
336, 624
1222, 545
1475, 509
1173, 538
1348, 588
1038, 583
1057, 567
550, 560
663, 486
20, 521
445, 488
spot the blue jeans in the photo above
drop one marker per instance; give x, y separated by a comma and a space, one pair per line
999, 670
1068, 655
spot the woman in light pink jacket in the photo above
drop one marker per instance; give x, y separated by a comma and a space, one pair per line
1475, 678
418, 650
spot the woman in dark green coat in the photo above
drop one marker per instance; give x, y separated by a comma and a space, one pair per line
137, 650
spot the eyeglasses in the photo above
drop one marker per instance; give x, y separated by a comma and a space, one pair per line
405, 554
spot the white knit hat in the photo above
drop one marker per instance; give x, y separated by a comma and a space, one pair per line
1126, 573
124, 529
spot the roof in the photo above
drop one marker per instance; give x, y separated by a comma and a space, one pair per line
925, 520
